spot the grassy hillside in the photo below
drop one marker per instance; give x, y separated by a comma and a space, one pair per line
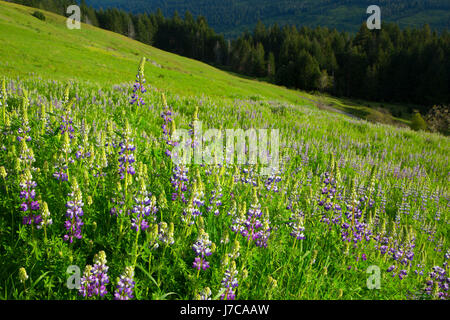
49, 49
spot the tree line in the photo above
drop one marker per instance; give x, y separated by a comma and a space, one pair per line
390, 64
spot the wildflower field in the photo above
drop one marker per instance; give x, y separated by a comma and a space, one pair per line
93, 206
88, 181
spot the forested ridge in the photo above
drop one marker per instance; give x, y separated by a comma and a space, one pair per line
231, 17
391, 64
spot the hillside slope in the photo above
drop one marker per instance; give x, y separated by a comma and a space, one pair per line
30, 46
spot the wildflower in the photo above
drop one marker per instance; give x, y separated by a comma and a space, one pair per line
26, 155
66, 120
125, 285
255, 227
138, 87
296, 223
165, 233
23, 275
168, 126
195, 203
74, 213
144, 209
29, 204
179, 181
3, 172
95, 278
230, 283
204, 295
215, 200
46, 219
24, 130
64, 160
126, 156
202, 249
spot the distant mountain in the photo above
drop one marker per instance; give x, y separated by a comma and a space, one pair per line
231, 17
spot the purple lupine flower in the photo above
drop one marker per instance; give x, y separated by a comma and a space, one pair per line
230, 283
125, 285
296, 224
179, 181
438, 283
126, 156
29, 205
139, 86
195, 203
65, 158
26, 155
95, 278
202, 249
214, 201
144, 209
252, 227
74, 213
167, 127
23, 131
67, 125
118, 204
272, 180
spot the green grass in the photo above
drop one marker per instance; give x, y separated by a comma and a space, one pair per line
48, 48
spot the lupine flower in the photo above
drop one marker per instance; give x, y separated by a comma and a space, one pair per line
126, 156
29, 206
74, 213
165, 233
438, 283
168, 126
230, 283
204, 295
252, 227
23, 275
296, 223
64, 160
138, 87
118, 202
272, 180
95, 278
179, 181
46, 219
194, 205
143, 209
66, 120
26, 155
202, 249
125, 285
23, 131
215, 200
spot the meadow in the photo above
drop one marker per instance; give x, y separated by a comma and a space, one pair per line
87, 182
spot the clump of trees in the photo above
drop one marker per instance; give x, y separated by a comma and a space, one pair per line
417, 122
39, 15
438, 119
